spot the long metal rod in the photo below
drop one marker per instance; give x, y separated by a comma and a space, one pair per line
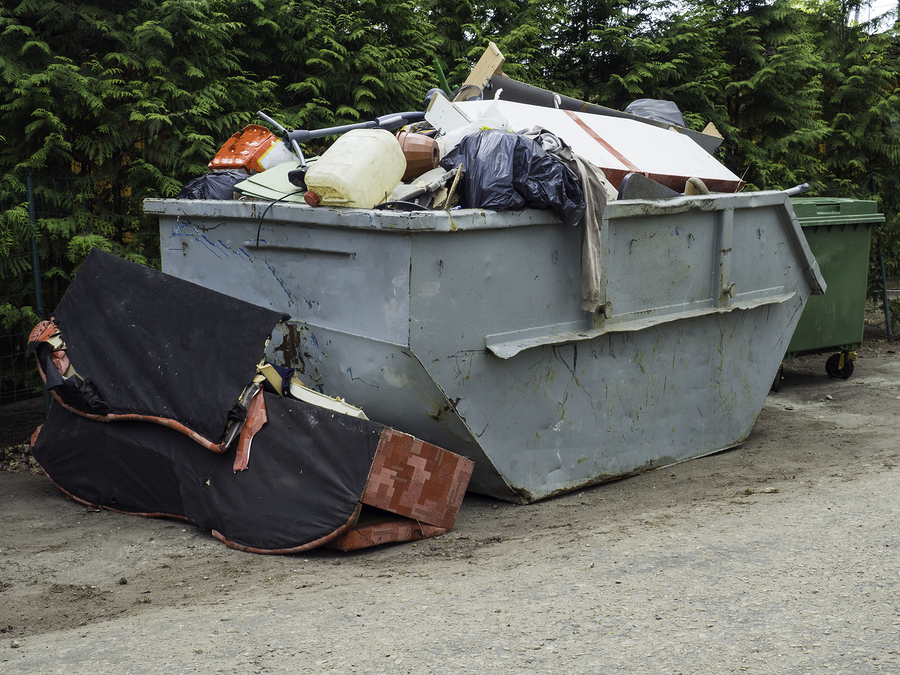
884, 294
35, 255
294, 144
36, 267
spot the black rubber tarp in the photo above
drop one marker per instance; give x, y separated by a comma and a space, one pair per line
152, 344
307, 472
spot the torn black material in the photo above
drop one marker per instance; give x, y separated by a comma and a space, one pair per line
152, 344
309, 468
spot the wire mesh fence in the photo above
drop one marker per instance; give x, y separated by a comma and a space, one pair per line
34, 274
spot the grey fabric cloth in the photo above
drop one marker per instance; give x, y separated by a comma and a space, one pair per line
591, 179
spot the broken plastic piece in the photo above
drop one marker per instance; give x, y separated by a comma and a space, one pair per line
253, 149
301, 392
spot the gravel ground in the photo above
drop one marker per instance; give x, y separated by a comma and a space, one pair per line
782, 555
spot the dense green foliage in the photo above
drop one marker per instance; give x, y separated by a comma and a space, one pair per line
337, 62
110, 102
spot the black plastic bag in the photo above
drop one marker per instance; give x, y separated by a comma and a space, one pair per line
503, 171
216, 185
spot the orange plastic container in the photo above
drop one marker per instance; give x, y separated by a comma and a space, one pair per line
253, 149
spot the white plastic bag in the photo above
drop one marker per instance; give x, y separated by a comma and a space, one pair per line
491, 118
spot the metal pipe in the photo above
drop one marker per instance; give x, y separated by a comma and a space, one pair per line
284, 136
35, 255
391, 121
36, 267
884, 295
797, 190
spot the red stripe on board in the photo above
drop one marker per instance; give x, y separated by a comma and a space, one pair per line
593, 134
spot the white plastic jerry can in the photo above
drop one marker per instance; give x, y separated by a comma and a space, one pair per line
360, 169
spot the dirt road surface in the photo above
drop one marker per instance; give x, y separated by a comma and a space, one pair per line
780, 556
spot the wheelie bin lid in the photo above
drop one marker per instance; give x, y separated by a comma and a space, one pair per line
813, 211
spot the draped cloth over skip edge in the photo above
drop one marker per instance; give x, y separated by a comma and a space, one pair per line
592, 184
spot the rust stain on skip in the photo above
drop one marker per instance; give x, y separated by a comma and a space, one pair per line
291, 348
449, 407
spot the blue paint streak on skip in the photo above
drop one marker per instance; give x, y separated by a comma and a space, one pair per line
244, 253
281, 283
350, 371
677, 234
314, 340
211, 246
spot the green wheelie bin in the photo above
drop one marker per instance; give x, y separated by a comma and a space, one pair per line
839, 232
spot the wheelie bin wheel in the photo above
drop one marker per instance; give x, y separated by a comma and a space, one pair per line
833, 366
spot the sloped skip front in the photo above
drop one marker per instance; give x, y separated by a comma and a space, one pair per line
474, 318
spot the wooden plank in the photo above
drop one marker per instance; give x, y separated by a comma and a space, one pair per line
488, 65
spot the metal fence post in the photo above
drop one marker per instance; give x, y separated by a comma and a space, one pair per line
884, 294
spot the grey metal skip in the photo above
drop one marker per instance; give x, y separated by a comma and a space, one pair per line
465, 329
